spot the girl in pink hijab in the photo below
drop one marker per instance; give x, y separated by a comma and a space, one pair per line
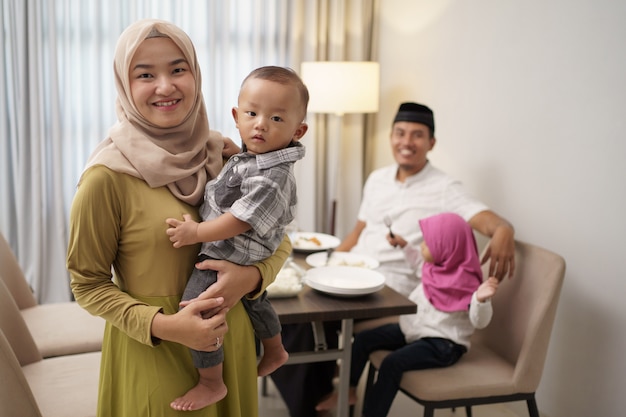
452, 300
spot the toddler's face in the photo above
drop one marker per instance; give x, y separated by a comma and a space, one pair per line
269, 115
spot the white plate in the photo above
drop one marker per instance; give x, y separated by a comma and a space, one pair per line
342, 259
313, 242
344, 281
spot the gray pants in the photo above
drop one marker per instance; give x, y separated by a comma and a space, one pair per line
263, 317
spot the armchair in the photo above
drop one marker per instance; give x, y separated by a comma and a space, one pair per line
506, 359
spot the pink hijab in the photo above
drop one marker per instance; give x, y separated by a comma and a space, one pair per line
183, 157
455, 274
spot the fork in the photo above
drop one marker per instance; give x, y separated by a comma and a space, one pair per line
387, 221
329, 253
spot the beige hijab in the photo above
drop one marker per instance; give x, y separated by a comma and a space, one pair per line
182, 158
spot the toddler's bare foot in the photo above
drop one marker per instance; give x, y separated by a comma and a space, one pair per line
272, 360
199, 397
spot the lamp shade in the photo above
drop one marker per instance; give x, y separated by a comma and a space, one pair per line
342, 87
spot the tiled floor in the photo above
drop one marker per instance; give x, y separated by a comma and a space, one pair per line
273, 406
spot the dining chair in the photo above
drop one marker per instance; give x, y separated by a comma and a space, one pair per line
15, 395
33, 386
58, 328
506, 359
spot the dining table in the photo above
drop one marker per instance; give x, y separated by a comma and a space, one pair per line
316, 307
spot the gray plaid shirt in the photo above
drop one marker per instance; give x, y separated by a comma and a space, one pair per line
259, 190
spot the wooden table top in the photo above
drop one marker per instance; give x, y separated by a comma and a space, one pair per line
311, 305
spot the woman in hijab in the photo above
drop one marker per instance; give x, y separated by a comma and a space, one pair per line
153, 165
452, 300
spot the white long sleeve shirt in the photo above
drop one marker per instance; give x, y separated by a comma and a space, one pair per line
430, 322
424, 194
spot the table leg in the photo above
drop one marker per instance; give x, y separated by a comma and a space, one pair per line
319, 336
343, 409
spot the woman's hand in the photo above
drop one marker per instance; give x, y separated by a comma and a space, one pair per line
189, 326
230, 148
233, 281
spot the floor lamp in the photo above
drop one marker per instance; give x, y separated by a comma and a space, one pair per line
338, 88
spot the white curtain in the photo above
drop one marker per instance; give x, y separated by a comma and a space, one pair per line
31, 160
57, 98
334, 31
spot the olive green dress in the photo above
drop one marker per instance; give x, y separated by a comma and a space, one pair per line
118, 220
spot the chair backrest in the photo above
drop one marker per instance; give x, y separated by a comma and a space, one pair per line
14, 327
16, 396
14, 278
524, 312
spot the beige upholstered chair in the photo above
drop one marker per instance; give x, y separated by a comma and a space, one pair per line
506, 358
30, 386
15, 394
57, 328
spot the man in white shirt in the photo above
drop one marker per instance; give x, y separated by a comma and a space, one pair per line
407, 191
413, 189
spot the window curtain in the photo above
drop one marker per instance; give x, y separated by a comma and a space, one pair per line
31, 173
57, 99
334, 31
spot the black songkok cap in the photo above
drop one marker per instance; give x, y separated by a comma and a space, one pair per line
416, 113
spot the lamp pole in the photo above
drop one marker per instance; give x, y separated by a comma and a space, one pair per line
337, 88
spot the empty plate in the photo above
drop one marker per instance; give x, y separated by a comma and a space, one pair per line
344, 281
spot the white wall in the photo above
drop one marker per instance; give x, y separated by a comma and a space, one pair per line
530, 108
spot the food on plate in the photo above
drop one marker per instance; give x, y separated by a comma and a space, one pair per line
310, 242
341, 261
339, 258
288, 283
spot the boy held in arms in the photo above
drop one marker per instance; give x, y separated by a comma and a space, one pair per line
245, 212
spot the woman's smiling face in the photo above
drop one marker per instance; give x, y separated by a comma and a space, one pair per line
162, 85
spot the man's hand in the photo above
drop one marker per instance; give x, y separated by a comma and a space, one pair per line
501, 253
501, 249
396, 240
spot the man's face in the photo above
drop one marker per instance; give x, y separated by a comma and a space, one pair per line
410, 143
